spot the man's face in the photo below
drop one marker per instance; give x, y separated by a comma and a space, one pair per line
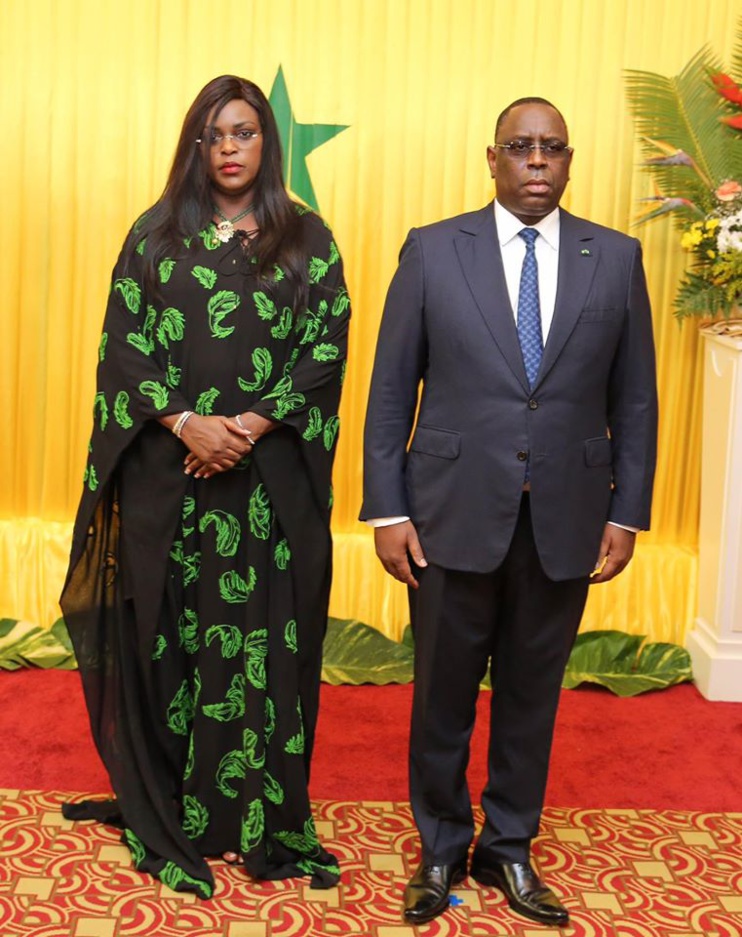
530, 185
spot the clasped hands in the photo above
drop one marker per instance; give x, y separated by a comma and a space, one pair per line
218, 443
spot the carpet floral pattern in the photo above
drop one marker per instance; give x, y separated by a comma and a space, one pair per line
621, 873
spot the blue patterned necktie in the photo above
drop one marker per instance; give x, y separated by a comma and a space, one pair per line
529, 312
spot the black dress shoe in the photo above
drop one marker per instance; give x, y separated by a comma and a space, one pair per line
526, 893
426, 894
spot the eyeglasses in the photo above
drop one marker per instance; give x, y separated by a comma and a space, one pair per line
519, 149
241, 138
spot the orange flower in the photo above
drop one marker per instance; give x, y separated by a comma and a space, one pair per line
728, 191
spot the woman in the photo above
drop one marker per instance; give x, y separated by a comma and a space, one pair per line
199, 577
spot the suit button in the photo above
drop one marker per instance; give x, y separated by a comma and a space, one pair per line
522, 455
533, 404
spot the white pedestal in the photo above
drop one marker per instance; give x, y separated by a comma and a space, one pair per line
715, 643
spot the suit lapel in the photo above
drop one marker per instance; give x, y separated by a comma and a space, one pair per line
478, 251
578, 260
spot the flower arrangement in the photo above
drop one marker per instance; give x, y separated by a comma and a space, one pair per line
689, 127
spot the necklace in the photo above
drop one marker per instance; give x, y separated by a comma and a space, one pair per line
225, 228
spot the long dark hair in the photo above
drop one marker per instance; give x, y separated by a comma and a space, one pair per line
186, 206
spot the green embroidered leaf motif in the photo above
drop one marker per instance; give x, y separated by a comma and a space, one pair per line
102, 346
190, 763
334, 253
283, 329
176, 551
342, 372
171, 327
100, 404
229, 635
325, 352
270, 719
234, 589
295, 745
314, 427
140, 247
180, 711
317, 269
189, 506
253, 759
121, 410
231, 766
173, 375
205, 276
278, 274
305, 842
92, 478
331, 431
290, 636
174, 877
331, 499
195, 817
282, 554
310, 866
159, 394
288, 403
259, 513
160, 647
227, 531
206, 400
188, 631
266, 307
283, 386
131, 293
208, 236
233, 706
272, 789
165, 269
140, 342
340, 303
220, 306
256, 651
191, 568
252, 826
263, 364
138, 851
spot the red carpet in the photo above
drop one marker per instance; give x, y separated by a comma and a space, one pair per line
663, 751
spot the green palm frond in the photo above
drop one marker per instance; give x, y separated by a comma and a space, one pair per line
683, 112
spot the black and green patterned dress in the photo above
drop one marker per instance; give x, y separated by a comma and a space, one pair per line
197, 608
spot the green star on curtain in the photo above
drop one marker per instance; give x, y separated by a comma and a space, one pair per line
298, 141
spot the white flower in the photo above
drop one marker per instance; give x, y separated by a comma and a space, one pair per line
729, 235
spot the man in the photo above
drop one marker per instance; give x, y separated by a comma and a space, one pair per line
527, 477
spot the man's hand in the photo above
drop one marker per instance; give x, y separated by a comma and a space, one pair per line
393, 544
616, 549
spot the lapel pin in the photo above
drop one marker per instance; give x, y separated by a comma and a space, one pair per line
585, 252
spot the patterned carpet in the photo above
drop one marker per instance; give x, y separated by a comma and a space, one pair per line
621, 873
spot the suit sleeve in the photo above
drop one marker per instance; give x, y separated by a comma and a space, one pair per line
399, 365
632, 407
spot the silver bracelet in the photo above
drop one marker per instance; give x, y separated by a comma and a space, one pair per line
181, 422
241, 425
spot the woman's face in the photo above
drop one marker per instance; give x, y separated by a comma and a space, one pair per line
235, 145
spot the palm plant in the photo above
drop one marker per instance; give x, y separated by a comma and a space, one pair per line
694, 154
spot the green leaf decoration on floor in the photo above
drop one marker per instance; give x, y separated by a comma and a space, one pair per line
355, 653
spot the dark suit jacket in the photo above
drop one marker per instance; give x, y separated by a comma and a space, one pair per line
588, 426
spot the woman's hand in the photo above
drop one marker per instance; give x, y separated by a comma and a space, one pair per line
219, 448
215, 443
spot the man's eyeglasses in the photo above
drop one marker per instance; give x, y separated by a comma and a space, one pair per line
520, 149
240, 137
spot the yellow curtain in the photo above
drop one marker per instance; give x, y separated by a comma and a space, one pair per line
92, 96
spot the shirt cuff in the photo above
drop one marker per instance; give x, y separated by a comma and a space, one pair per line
385, 521
634, 530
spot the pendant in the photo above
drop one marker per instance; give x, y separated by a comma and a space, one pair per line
224, 231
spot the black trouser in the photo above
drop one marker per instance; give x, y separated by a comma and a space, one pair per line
526, 624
